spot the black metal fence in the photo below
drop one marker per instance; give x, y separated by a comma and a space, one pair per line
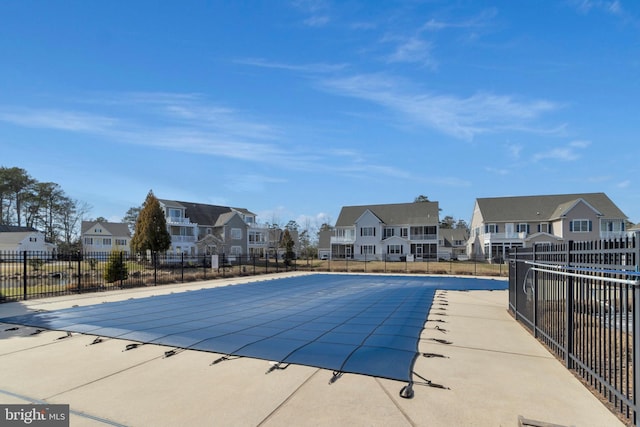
27, 274
582, 300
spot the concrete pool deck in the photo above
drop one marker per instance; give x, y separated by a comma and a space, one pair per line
494, 371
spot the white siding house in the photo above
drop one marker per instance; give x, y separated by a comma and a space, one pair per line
387, 232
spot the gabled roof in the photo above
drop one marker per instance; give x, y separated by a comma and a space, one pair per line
14, 228
543, 208
225, 218
452, 234
419, 213
244, 211
204, 214
114, 228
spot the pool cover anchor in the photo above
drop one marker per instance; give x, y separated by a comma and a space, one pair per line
172, 352
98, 340
277, 366
132, 346
431, 355
335, 377
64, 336
407, 392
222, 359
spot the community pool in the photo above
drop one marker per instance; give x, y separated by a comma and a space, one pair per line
362, 324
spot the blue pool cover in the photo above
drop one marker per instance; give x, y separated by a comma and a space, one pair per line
362, 324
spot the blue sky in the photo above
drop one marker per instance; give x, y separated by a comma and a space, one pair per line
293, 109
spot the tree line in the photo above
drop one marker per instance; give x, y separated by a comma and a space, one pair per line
44, 206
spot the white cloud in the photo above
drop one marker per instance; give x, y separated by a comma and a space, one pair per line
412, 50
453, 115
316, 68
58, 119
613, 7
566, 154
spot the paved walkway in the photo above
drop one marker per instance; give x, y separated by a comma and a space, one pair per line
494, 371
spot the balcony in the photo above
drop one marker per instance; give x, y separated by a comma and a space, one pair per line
343, 240
415, 237
613, 234
500, 237
178, 220
179, 239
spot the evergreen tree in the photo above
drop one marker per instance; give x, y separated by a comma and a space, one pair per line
116, 268
288, 243
151, 228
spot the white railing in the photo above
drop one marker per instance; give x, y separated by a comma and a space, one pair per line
178, 220
613, 234
175, 238
423, 237
488, 237
343, 239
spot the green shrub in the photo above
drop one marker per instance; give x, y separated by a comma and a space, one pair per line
116, 269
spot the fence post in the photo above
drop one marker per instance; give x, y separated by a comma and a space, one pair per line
568, 313
122, 269
636, 354
182, 266
80, 255
24, 275
636, 336
534, 279
513, 287
204, 265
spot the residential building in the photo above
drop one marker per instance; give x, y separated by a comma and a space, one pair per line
452, 243
324, 243
499, 224
18, 239
203, 229
104, 237
387, 232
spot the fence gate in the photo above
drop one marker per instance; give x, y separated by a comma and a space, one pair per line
582, 301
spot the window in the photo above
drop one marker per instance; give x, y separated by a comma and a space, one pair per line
236, 250
580, 226
121, 242
522, 228
368, 249
236, 233
368, 231
491, 228
404, 232
458, 242
394, 249
543, 228
389, 232
256, 237
33, 239
175, 213
88, 241
607, 225
106, 242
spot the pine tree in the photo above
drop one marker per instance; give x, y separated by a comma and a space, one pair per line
116, 268
151, 228
288, 244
